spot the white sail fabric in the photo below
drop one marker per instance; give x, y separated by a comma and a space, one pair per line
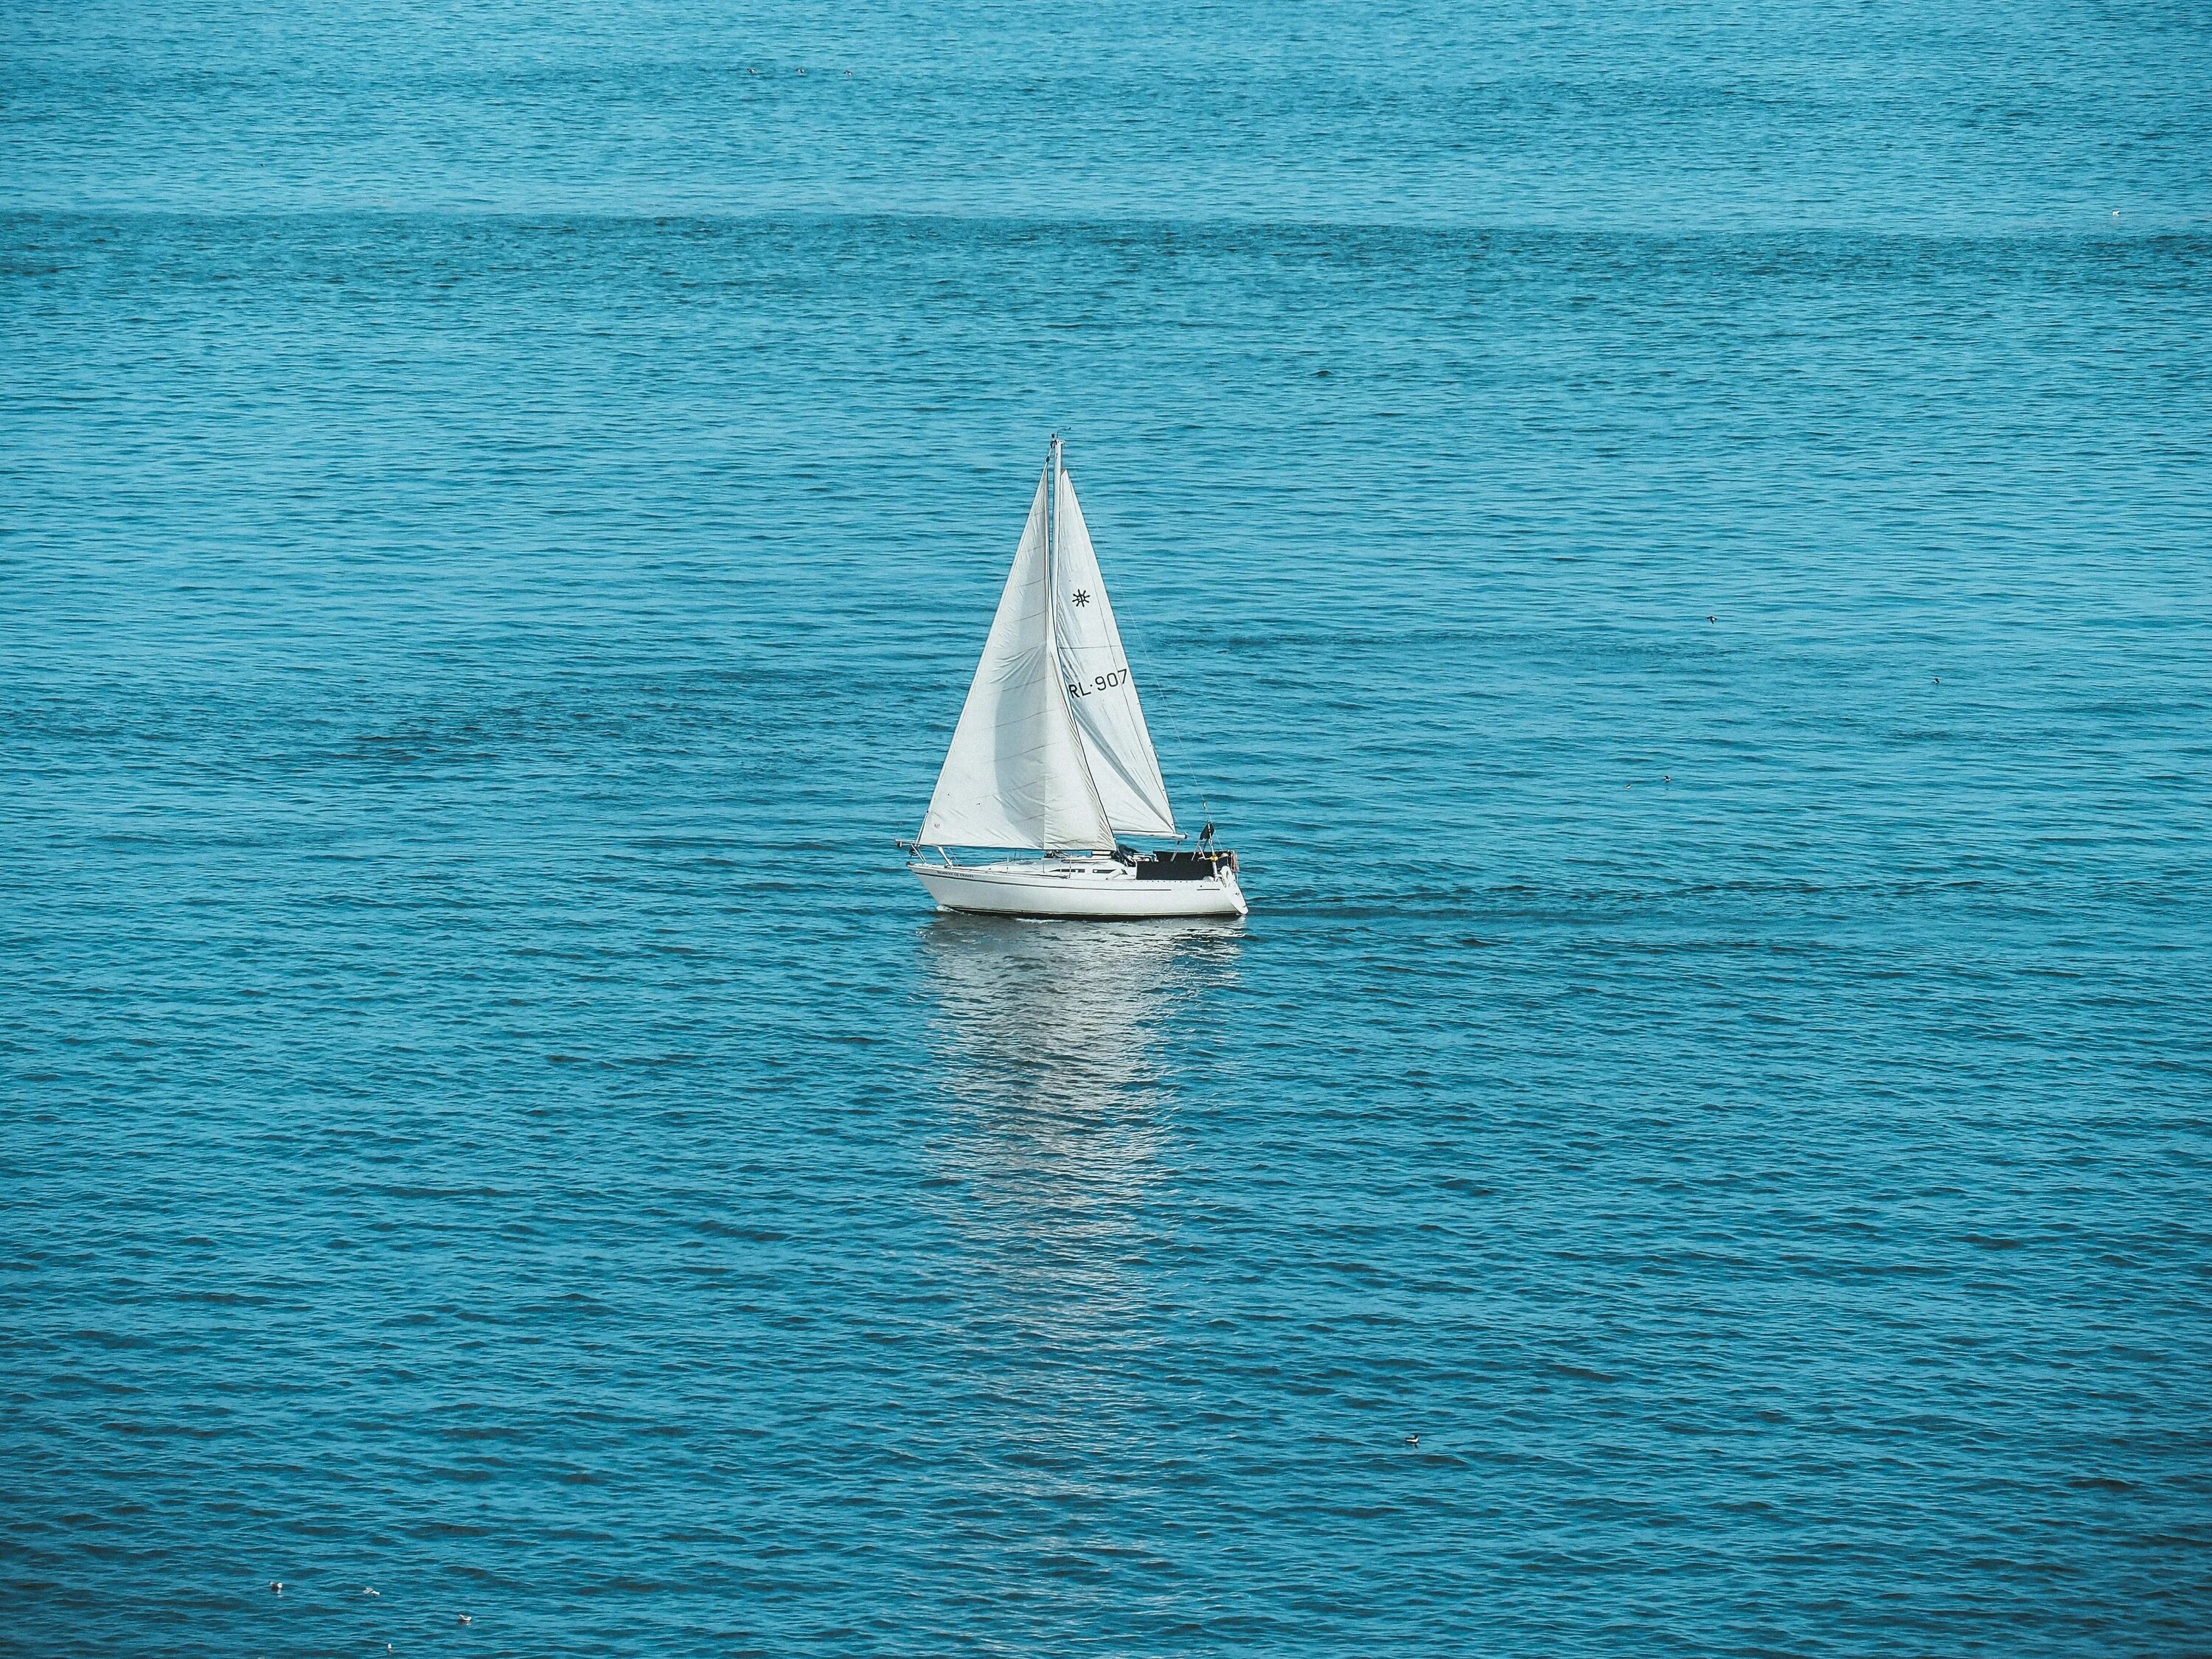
1015, 774
1101, 690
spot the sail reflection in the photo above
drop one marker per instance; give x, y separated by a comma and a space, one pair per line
1049, 1017
1061, 1045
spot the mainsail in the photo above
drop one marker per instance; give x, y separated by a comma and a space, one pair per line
1052, 750
1100, 688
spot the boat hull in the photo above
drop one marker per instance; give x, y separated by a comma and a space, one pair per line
1094, 891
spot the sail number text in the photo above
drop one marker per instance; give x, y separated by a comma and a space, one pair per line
1099, 682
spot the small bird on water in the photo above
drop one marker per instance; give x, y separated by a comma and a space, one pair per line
467, 1619
1413, 1440
276, 1584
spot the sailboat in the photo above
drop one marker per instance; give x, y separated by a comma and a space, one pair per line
1052, 755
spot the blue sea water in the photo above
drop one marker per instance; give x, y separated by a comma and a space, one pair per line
1673, 540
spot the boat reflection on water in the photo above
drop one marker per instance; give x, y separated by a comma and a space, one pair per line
1061, 1045
1048, 1019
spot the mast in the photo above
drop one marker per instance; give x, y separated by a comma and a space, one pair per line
1051, 549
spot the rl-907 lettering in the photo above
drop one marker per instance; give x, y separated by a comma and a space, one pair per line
1098, 682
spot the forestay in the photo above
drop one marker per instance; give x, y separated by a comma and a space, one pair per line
1015, 774
1101, 690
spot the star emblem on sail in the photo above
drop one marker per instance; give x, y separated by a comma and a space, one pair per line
1031, 765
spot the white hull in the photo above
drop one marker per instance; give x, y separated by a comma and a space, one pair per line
1099, 889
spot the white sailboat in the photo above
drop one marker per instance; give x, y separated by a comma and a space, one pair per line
1052, 755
